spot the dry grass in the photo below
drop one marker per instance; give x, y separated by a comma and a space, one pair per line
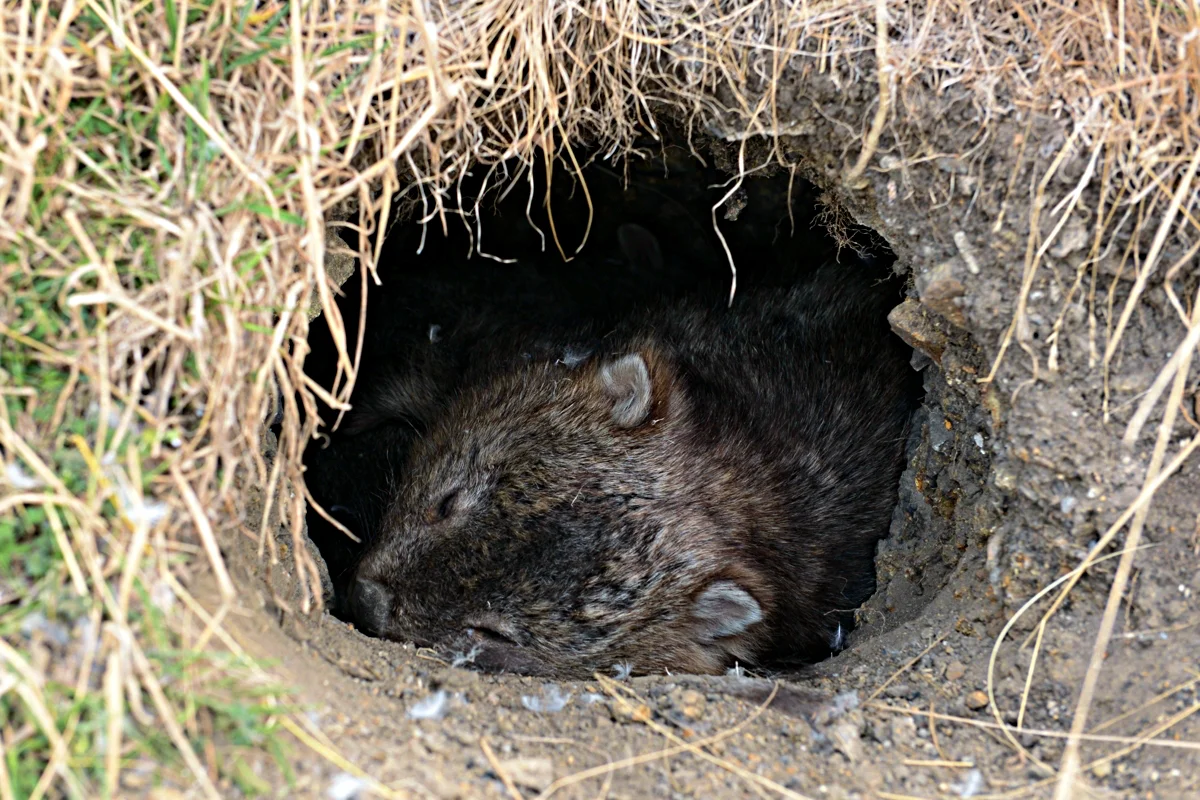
167, 169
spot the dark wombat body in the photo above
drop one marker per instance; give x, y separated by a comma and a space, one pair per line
694, 487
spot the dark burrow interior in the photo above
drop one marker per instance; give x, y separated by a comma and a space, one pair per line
647, 231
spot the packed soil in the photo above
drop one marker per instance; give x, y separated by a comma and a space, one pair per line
1009, 483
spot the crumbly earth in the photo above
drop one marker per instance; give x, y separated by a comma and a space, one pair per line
1009, 484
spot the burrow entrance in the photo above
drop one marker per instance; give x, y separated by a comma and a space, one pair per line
436, 269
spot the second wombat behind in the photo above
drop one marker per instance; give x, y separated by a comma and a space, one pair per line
699, 486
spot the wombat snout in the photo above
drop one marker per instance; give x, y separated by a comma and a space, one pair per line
371, 605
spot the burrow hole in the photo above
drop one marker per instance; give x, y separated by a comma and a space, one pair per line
775, 226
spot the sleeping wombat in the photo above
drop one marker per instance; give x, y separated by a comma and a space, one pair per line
698, 486
436, 322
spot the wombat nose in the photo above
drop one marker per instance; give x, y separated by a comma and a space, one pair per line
371, 605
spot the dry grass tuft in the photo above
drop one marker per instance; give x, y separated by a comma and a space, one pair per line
167, 170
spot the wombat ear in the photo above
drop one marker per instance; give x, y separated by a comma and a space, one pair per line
640, 247
363, 419
409, 399
725, 609
370, 414
626, 382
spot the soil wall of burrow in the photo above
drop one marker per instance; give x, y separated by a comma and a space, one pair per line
1032, 290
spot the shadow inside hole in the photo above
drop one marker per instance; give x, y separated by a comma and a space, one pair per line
773, 234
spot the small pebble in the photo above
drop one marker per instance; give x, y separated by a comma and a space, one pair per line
624, 713
977, 700
692, 704
972, 783
847, 738
904, 730
955, 670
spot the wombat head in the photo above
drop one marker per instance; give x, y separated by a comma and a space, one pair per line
549, 524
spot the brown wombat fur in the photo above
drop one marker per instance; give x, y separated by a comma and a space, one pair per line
694, 487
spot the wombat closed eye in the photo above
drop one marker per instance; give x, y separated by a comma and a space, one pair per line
698, 487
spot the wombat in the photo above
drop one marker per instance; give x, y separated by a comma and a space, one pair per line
694, 487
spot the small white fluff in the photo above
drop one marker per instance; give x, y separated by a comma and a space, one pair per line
462, 659
572, 357
148, 514
345, 786
134, 506
162, 596
971, 784
839, 639
432, 707
551, 701
846, 701
16, 477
